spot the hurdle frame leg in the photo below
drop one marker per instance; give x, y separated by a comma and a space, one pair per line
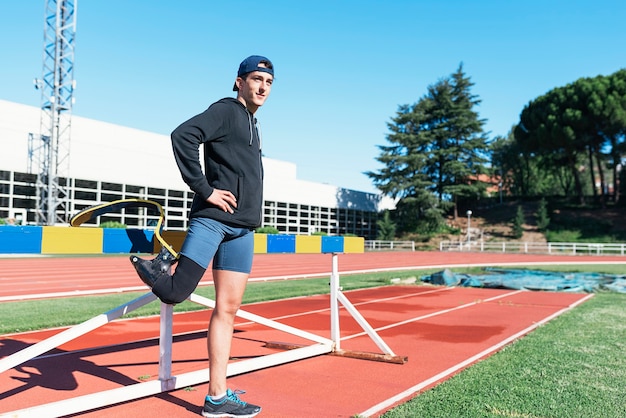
335, 289
336, 297
166, 337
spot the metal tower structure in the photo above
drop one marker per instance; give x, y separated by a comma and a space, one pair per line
49, 153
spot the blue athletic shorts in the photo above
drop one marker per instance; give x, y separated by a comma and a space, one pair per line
230, 248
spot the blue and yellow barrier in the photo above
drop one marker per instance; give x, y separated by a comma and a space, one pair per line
56, 240
91, 240
20, 239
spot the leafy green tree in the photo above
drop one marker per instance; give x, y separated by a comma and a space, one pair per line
386, 228
580, 127
437, 150
525, 174
516, 173
604, 101
545, 130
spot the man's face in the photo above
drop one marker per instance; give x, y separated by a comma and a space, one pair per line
254, 89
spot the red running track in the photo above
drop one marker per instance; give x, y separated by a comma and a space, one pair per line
441, 330
22, 278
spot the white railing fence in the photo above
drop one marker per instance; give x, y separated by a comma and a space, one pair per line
378, 245
586, 248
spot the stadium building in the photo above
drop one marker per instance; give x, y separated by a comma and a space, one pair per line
110, 162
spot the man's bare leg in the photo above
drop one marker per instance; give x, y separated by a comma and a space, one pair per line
229, 290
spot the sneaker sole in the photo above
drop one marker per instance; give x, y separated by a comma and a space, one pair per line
226, 415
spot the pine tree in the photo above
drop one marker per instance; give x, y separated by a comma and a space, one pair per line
543, 218
468, 144
437, 149
518, 222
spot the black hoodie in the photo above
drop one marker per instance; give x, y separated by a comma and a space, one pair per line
232, 161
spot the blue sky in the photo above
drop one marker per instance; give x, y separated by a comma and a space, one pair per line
342, 67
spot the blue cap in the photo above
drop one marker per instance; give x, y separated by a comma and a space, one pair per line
251, 64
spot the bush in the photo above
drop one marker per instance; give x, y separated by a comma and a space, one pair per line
112, 224
267, 230
386, 228
543, 218
563, 236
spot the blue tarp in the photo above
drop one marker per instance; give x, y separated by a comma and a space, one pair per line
531, 280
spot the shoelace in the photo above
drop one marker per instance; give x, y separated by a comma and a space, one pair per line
234, 396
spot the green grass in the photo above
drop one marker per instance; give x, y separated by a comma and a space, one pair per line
575, 235
573, 366
50, 313
583, 229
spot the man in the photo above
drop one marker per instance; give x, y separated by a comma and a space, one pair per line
227, 206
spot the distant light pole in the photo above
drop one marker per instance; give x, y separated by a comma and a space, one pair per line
469, 215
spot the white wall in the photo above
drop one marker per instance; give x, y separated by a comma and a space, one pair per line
118, 154
16, 122
98, 150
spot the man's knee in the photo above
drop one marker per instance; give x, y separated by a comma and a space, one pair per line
172, 299
182, 284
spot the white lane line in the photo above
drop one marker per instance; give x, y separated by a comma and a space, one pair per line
304, 276
298, 314
72, 293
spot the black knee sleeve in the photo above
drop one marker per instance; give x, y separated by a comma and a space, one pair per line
181, 284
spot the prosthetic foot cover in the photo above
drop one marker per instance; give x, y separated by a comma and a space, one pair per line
150, 271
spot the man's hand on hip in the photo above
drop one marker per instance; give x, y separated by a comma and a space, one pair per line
223, 199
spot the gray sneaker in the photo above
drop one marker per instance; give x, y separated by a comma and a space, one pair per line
231, 406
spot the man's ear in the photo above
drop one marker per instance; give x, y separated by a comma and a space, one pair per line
239, 82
